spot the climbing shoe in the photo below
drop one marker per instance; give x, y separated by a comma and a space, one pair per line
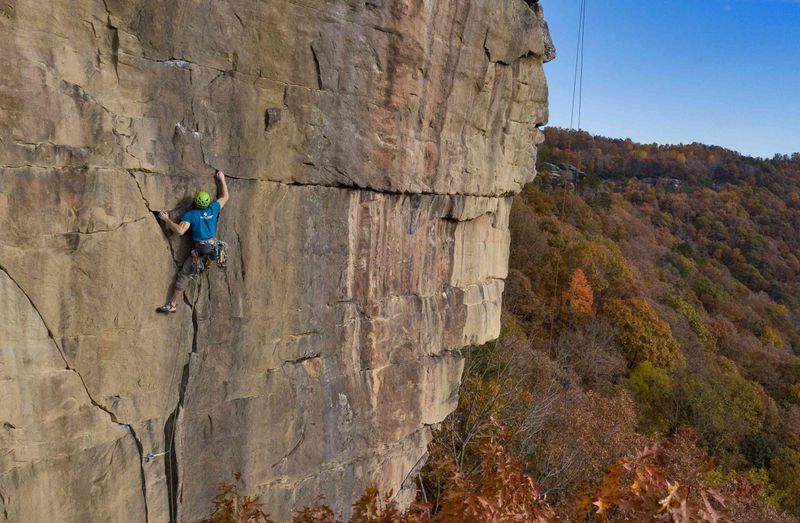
167, 308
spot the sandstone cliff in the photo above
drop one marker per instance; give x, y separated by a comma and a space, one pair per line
374, 146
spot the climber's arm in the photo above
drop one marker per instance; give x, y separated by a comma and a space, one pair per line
223, 199
178, 228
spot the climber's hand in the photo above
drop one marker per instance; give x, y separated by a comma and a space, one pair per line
223, 186
163, 216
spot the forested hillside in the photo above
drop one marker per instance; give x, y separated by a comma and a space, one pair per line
649, 361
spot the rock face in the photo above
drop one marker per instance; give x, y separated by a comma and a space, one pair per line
372, 148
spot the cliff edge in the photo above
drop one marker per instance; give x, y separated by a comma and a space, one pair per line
372, 148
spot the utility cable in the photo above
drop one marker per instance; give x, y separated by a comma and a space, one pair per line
583, 48
577, 85
577, 93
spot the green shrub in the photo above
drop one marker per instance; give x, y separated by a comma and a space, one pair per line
693, 317
784, 473
652, 390
642, 334
759, 449
724, 406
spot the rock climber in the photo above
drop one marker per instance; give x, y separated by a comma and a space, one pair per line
202, 221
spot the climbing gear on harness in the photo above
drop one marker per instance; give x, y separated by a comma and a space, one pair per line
220, 254
207, 251
167, 308
202, 200
197, 263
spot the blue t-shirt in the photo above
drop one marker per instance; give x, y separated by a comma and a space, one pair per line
203, 222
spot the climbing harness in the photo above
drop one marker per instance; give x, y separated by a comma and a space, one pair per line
208, 251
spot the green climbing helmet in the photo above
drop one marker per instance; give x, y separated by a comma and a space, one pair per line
202, 200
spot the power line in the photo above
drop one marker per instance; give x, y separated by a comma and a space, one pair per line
583, 48
577, 85
577, 92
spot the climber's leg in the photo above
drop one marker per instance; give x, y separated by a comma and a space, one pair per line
182, 281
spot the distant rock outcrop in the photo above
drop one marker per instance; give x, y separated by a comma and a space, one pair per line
373, 146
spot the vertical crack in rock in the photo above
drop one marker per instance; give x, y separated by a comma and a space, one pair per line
228, 286
141, 463
114, 40
453, 57
3, 501
316, 67
170, 427
95, 403
241, 255
486, 46
195, 123
141, 192
200, 134
114, 48
239, 18
171, 461
195, 324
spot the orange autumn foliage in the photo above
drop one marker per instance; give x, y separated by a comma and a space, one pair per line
580, 296
500, 492
230, 506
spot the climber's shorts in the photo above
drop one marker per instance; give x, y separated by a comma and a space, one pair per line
185, 274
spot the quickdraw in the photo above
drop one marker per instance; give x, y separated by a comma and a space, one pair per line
216, 252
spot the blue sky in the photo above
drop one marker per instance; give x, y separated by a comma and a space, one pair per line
722, 72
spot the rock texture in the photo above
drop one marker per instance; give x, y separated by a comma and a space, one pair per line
373, 146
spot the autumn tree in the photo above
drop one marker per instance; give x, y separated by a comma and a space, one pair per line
642, 334
230, 506
725, 407
785, 475
500, 492
653, 390
580, 297
636, 489
589, 348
